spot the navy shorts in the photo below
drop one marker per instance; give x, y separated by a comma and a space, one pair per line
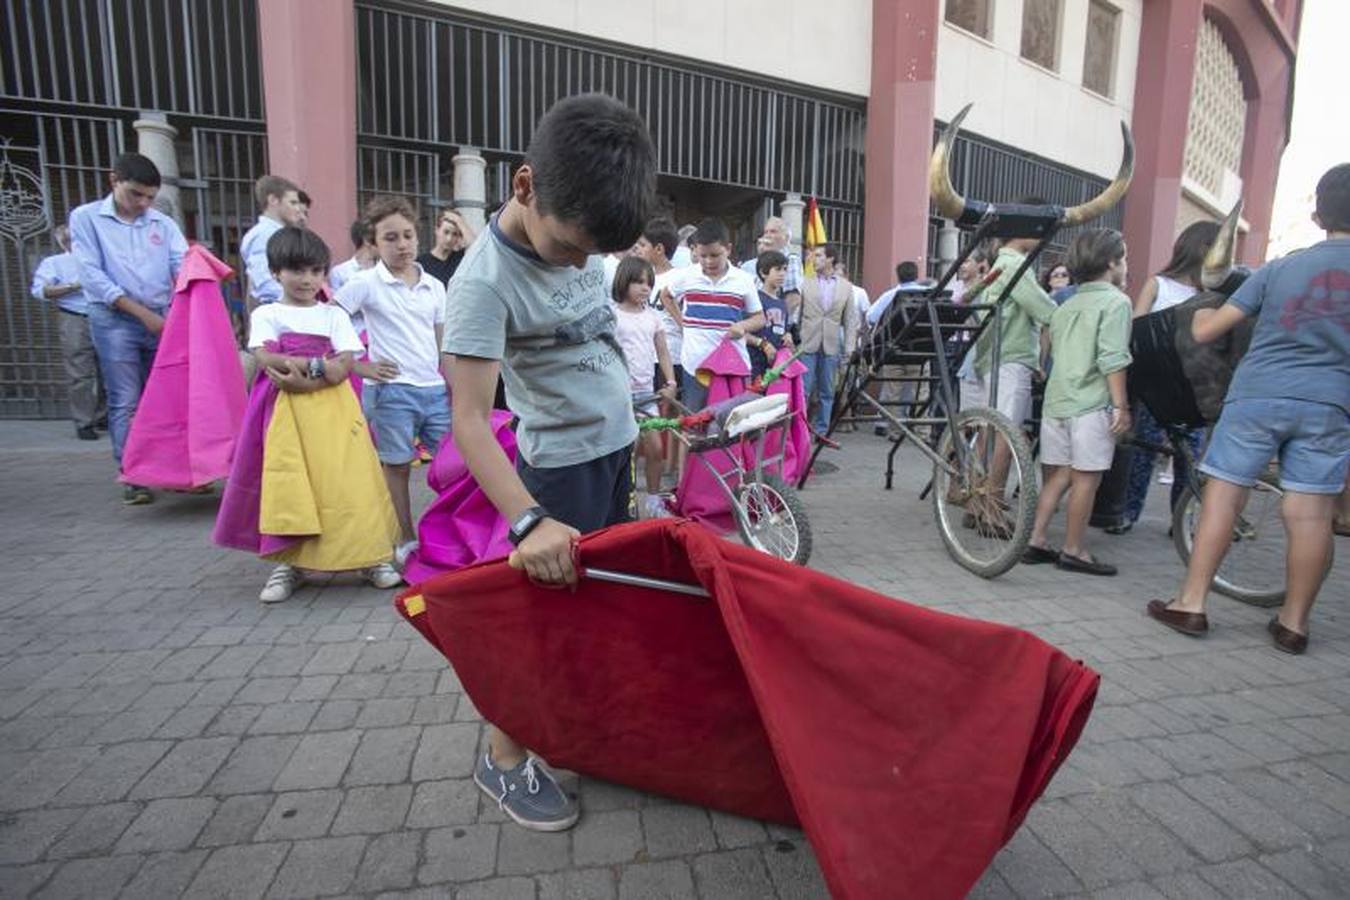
588, 496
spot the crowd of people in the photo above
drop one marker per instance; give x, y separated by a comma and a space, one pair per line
573, 301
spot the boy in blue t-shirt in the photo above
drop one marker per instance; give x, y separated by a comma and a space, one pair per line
771, 269
1289, 399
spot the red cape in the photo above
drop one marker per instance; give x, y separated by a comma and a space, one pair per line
909, 744
183, 432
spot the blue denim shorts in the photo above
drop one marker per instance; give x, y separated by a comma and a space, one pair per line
1311, 441
402, 413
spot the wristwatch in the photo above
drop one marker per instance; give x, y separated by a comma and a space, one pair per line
526, 523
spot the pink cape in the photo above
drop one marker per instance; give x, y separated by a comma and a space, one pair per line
183, 432
698, 496
798, 448
461, 526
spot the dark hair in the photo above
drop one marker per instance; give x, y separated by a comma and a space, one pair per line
296, 249
594, 164
272, 186
303, 198
768, 261
386, 205
907, 271
829, 250
1092, 253
137, 168
1333, 198
661, 233
1189, 249
1050, 270
711, 231
631, 269
360, 233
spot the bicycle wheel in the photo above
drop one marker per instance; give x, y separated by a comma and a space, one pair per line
1253, 569
985, 527
773, 520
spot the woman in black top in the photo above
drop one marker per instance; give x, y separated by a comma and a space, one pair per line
453, 237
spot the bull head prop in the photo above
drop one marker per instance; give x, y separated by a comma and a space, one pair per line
1020, 220
1181, 381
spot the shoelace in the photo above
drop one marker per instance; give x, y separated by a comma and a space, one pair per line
531, 783
279, 576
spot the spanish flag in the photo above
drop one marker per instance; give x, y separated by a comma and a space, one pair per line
814, 236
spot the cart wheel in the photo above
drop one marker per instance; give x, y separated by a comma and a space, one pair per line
1253, 569
986, 529
772, 519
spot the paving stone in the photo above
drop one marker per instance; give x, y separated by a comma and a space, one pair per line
1202, 831
336, 715
1134, 833
235, 719
677, 830
96, 831
1265, 827
185, 769
165, 874
607, 838
237, 873
434, 709
463, 853
498, 889
294, 816
386, 712
734, 875
577, 884
390, 862
670, 880
254, 765
93, 879
23, 881
188, 722
170, 824
735, 831
1310, 872
384, 756
1303, 808
794, 871
523, 852
113, 773
24, 837
314, 868
1246, 878
313, 687
1032, 870
319, 761
131, 725
1085, 849
332, 659
236, 820
373, 810
449, 802
446, 751
285, 718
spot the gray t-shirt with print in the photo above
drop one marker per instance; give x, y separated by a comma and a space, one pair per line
552, 327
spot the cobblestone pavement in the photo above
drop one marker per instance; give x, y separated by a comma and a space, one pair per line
161, 734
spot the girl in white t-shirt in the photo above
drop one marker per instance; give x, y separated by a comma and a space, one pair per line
305, 488
643, 341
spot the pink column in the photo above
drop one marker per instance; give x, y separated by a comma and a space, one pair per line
899, 138
1267, 134
309, 87
1162, 102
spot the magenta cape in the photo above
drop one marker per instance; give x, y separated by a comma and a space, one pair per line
189, 413
908, 743
237, 519
698, 496
461, 526
798, 446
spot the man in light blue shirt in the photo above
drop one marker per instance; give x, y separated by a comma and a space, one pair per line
57, 280
129, 254
279, 205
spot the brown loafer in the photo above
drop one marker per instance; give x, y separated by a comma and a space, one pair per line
1188, 623
1286, 639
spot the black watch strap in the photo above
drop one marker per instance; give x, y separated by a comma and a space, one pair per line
525, 523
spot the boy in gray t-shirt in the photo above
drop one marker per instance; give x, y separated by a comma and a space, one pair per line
529, 301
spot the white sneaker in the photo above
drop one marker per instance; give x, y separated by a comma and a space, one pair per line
383, 576
654, 507
280, 584
402, 552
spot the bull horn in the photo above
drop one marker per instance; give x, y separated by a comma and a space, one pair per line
1218, 264
949, 203
1100, 204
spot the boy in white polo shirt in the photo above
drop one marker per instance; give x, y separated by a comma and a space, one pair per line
404, 308
711, 301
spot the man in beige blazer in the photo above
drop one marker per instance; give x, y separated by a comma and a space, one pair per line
829, 326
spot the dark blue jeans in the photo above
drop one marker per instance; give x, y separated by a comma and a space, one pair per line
125, 351
1141, 471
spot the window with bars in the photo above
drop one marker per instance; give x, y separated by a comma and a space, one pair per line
1099, 55
975, 16
1040, 32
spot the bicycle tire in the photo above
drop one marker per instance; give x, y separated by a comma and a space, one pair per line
1182, 539
772, 489
1022, 515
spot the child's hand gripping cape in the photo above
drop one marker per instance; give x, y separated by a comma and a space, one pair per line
909, 744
